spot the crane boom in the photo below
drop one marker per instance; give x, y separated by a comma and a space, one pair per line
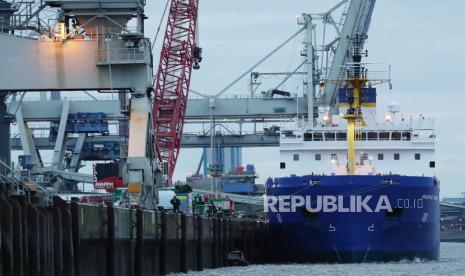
179, 55
357, 22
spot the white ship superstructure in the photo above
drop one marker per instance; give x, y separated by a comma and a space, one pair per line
390, 144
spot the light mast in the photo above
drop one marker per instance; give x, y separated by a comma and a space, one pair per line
356, 79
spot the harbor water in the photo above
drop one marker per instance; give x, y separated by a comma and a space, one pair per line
452, 262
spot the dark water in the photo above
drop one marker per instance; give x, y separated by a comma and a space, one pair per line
452, 262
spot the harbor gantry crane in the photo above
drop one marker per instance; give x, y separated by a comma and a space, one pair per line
90, 48
179, 56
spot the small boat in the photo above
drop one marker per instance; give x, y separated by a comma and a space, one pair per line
236, 258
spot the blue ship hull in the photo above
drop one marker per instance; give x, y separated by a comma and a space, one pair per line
409, 230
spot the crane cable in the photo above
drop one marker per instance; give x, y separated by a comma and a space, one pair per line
161, 22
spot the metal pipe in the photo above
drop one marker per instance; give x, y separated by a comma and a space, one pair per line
259, 62
289, 75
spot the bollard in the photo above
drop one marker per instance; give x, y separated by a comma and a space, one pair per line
225, 241
163, 243
46, 222
110, 240
183, 247
24, 234
57, 241
230, 236
244, 240
214, 222
42, 244
67, 240
33, 240
6, 242
199, 244
75, 226
139, 271
131, 243
50, 253
260, 243
17, 228
220, 244
252, 248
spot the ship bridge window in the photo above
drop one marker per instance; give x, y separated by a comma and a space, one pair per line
396, 156
406, 135
318, 157
396, 136
341, 136
380, 156
384, 136
432, 164
282, 165
330, 136
296, 157
333, 157
361, 136
317, 136
417, 156
372, 136
308, 137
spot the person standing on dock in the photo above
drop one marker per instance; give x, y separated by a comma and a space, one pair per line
176, 203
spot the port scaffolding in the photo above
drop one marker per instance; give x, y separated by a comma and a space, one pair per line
72, 60
121, 56
80, 239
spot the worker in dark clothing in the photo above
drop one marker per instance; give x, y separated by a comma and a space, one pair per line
176, 203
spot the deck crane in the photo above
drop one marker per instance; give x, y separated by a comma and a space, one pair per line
179, 56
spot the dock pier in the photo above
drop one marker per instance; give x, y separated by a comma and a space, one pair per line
79, 239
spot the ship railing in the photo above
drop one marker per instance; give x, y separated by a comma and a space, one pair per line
122, 56
224, 97
42, 133
77, 99
98, 32
7, 176
299, 139
369, 135
372, 76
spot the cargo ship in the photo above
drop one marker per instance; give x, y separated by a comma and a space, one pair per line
354, 188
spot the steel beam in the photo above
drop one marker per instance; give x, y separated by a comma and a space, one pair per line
246, 108
60, 143
50, 111
74, 166
198, 109
26, 141
188, 141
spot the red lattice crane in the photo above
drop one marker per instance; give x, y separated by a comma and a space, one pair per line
179, 55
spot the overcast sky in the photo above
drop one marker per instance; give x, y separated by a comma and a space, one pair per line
423, 41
